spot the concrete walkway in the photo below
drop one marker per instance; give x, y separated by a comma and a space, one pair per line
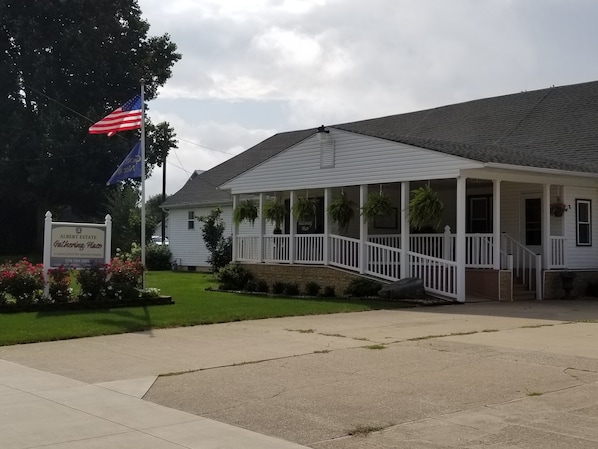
477, 375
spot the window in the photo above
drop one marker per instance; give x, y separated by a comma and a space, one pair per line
190, 220
479, 214
533, 221
583, 222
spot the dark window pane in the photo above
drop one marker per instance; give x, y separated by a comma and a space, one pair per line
533, 221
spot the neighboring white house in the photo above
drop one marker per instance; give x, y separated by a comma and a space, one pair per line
497, 163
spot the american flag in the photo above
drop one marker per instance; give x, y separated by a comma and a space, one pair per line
127, 117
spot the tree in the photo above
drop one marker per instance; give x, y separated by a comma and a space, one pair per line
65, 64
212, 231
123, 205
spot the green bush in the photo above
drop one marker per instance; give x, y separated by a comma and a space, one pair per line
362, 288
262, 286
329, 292
312, 288
157, 257
291, 289
233, 277
278, 288
93, 282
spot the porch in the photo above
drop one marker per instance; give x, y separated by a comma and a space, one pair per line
430, 257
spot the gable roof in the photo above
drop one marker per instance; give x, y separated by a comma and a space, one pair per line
554, 128
202, 188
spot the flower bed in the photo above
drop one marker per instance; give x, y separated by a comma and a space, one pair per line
104, 286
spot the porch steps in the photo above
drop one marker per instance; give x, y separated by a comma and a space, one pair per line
522, 293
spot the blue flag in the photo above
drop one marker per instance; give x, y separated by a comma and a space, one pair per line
129, 168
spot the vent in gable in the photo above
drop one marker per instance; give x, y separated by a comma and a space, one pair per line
326, 151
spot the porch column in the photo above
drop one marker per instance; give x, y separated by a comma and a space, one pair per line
496, 224
235, 230
260, 251
404, 258
546, 247
460, 243
292, 228
363, 229
326, 243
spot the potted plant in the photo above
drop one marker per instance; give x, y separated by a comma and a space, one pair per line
558, 208
341, 211
378, 204
245, 211
304, 208
425, 208
274, 211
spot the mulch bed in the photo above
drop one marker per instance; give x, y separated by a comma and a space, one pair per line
86, 305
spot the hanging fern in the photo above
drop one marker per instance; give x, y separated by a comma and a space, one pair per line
378, 204
341, 211
425, 208
305, 208
245, 211
274, 212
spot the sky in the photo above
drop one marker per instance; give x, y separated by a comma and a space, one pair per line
252, 68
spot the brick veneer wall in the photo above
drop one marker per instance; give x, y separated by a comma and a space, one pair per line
302, 274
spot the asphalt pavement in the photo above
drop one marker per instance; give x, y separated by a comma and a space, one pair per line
492, 375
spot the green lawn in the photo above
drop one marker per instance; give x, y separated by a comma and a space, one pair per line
193, 305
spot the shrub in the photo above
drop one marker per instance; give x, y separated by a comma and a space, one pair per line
329, 292
60, 284
363, 287
312, 288
291, 289
93, 282
262, 286
278, 288
233, 277
23, 280
157, 257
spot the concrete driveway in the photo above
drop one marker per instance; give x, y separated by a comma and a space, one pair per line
492, 375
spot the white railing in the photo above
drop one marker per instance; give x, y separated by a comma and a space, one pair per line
557, 251
344, 252
248, 248
392, 240
383, 261
309, 248
277, 248
479, 250
439, 275
527, 265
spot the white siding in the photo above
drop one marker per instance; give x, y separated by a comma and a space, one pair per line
579, 257
358, 160
187, 245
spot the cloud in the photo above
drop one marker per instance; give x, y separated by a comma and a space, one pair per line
252, 67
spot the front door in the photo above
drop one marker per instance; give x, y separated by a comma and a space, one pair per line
531, 222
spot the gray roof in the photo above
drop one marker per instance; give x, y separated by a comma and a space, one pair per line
554, 128
202, 189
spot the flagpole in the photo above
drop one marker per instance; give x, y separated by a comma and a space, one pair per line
142, 82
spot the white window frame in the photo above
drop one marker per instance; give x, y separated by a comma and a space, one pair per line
586, 223
191, 220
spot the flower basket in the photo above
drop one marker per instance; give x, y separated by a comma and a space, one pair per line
558, 208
